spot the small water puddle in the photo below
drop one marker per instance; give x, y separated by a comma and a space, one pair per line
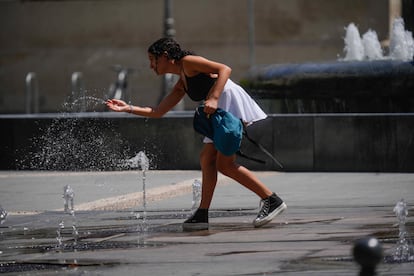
52, 265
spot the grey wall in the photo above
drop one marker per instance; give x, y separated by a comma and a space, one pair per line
56, 38
340, 142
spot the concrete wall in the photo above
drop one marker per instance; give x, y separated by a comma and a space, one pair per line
323, 142
56, 38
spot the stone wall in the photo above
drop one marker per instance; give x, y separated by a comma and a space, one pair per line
318, 142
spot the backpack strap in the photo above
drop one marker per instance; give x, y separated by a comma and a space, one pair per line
241, 154
257, 144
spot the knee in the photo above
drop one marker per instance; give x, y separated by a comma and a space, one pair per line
222, 168
226, 167
207, 159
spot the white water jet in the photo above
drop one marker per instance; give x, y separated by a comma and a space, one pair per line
354, 50
404, 251
75, 234
401, 42
59, 238
83, 104
68, 195
3, 215
372, 46
196, 194
369, 47
141, 161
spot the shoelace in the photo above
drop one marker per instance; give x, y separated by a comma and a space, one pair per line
265, 206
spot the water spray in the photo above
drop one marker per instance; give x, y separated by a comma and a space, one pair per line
196, 195
369, 47
3, 215
404, 251
68, 198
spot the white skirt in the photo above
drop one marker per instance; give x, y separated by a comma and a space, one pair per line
234, 99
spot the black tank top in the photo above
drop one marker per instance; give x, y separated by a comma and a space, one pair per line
198, 86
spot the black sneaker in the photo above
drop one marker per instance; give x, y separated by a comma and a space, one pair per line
271, 207
198, 221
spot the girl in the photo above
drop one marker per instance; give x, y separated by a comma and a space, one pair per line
208, 81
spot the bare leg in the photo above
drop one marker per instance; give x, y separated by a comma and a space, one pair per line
211, 162
227, 166
199, 219
208, 158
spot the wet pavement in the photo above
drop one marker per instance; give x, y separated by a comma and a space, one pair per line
108, 235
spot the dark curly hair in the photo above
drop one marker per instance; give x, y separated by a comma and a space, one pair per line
169, 46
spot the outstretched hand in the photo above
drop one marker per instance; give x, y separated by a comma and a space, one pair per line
117, 105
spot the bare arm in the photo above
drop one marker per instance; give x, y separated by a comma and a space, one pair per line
163, 107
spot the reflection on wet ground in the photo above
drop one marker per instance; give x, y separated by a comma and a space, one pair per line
111, 231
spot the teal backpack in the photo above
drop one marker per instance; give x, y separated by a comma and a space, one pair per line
222, 127
226, 131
